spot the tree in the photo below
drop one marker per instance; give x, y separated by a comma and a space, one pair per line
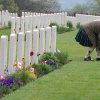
46, 5
9, 5
80, 8
98, 2
31, 5
1, 7
91, 7
23, 4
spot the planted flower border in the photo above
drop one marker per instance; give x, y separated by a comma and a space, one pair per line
48, 62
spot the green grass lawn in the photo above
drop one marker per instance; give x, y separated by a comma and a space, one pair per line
77, 80
5, 32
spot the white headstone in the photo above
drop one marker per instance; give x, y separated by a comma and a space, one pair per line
20, 54
48, 39
12, 53
28, 47
3, 54
42, 41
53, 38
35, 45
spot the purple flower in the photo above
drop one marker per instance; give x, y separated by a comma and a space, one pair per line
9, 83
51, 63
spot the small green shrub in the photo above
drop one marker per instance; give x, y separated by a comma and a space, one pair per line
47, 56
21, 76
4, 90
78, 25
62, 57
69, 24
68, 29
61, 29
42, 68
55, 24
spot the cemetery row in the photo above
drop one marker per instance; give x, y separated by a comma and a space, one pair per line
21, 45
29, 20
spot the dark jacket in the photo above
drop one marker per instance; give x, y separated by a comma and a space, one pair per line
93, 31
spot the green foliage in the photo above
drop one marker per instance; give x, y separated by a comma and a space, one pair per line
1, 7
78, 25
69, 24
80, 8
27, 5
4, 90
42, 68
47, 56
23, 4
55, 24
9, 5
62, 57
21, 76
9, 24
62, 29
6, 32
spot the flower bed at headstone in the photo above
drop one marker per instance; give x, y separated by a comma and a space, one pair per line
48, 62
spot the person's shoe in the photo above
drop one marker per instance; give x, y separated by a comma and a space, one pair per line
97, 59
88, 59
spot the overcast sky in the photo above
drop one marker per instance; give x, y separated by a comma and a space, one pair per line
70, 3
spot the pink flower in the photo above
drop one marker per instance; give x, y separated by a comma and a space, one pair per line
33, 70
45, 52
1, 78
44, 62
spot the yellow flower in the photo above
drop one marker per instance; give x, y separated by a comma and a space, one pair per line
31, 75
14, 29
23, 59
67, 27
50, 46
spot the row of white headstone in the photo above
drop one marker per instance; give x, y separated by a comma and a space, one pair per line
82, 19
5, 17
42, 20
28, 23
39, 41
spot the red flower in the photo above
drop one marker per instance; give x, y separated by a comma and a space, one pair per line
30, 63
31, 53
19, 28
38, 54
35, 26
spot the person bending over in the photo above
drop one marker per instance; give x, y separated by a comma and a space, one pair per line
89, 36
